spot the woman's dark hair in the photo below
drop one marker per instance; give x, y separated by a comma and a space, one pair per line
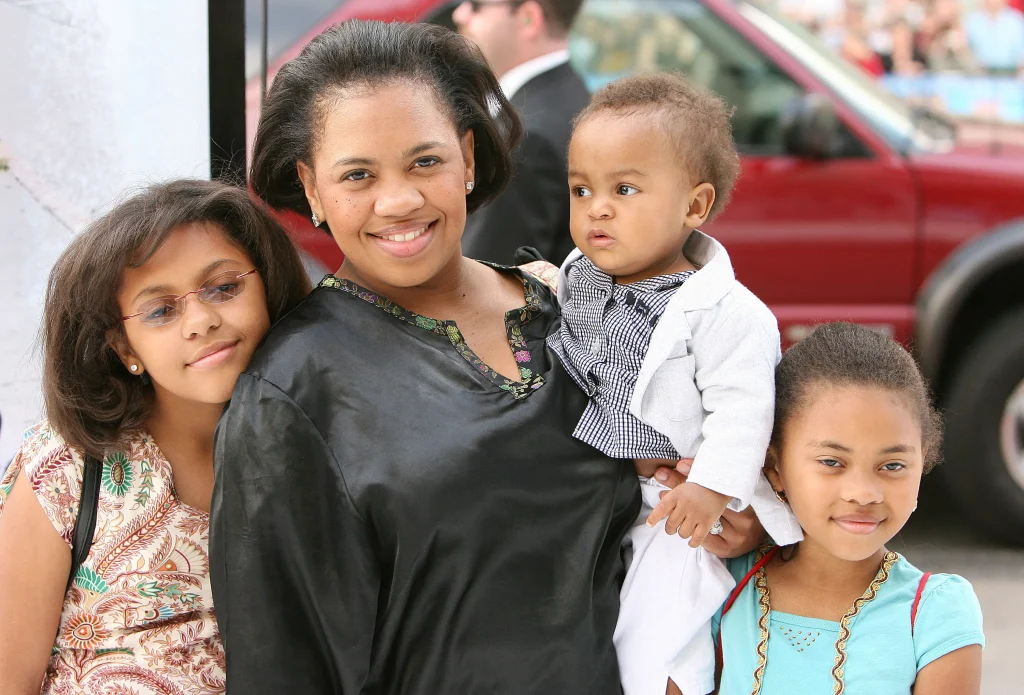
91, 400
370, 54
845, 354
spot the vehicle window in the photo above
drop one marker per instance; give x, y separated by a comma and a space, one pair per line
613, 38
890, 116
288, 21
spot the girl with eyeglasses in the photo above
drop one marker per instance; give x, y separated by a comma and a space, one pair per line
150, 316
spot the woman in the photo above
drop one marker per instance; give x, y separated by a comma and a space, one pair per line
138, 364
400, 506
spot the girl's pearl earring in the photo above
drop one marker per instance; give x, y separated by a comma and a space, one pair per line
134, 368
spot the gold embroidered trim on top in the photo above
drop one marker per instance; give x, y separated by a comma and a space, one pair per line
838, 685
761, 584
762, 624
764, 603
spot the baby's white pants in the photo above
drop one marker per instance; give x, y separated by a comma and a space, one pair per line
668, 598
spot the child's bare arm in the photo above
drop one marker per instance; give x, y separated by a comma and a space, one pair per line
690, 510
956, 673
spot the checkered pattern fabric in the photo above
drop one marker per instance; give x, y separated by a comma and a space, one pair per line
602, 342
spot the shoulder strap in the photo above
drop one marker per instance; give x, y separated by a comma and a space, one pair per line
737, 590
917, 600
85, 524
740, 585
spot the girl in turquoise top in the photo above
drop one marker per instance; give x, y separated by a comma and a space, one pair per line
838, 613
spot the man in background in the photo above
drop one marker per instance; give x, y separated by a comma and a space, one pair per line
526, 44
995, 33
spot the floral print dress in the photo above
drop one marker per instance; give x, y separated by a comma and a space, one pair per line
138, 619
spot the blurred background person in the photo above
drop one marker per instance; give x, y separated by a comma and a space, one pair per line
892, 26
944, 41
816, 15
526, 44
906, 58
995, 33
850, 39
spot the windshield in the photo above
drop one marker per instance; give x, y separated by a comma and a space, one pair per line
891, 117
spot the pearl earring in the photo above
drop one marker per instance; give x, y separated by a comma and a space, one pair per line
316, 220
134, 367
469, 186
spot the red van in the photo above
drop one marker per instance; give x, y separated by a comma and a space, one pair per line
852, 205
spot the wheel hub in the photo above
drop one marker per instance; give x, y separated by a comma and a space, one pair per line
1011, 434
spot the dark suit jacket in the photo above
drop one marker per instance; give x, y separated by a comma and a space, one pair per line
534, 209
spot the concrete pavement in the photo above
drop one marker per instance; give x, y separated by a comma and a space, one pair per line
938, 539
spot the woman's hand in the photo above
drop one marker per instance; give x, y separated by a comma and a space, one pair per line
741, 531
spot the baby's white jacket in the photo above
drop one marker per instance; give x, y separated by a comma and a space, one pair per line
707, 382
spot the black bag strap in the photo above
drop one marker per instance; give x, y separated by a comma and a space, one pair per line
85, 524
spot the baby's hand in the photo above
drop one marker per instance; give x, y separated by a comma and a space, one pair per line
691, 511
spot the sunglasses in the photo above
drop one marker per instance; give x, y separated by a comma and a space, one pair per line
477, 5
217, 290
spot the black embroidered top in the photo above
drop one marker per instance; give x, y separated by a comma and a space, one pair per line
530, 366
391, 516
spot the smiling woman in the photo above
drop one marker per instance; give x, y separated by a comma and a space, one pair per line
408, 232
138, 366
400, 506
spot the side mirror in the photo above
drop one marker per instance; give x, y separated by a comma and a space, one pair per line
810, 127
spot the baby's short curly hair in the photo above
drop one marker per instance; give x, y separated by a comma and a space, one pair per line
696, 119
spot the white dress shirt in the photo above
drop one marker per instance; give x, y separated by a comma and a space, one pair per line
513, 80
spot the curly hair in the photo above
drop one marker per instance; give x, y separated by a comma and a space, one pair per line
847, 354
696, 119
91, 399
358, 53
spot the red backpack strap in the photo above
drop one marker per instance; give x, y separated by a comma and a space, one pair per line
735, 594
917, 599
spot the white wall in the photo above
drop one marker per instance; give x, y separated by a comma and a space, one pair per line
96, 96
100, 95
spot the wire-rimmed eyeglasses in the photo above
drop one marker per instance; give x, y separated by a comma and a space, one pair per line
161, 311
476, 5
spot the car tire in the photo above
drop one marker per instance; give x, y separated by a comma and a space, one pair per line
986, 482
